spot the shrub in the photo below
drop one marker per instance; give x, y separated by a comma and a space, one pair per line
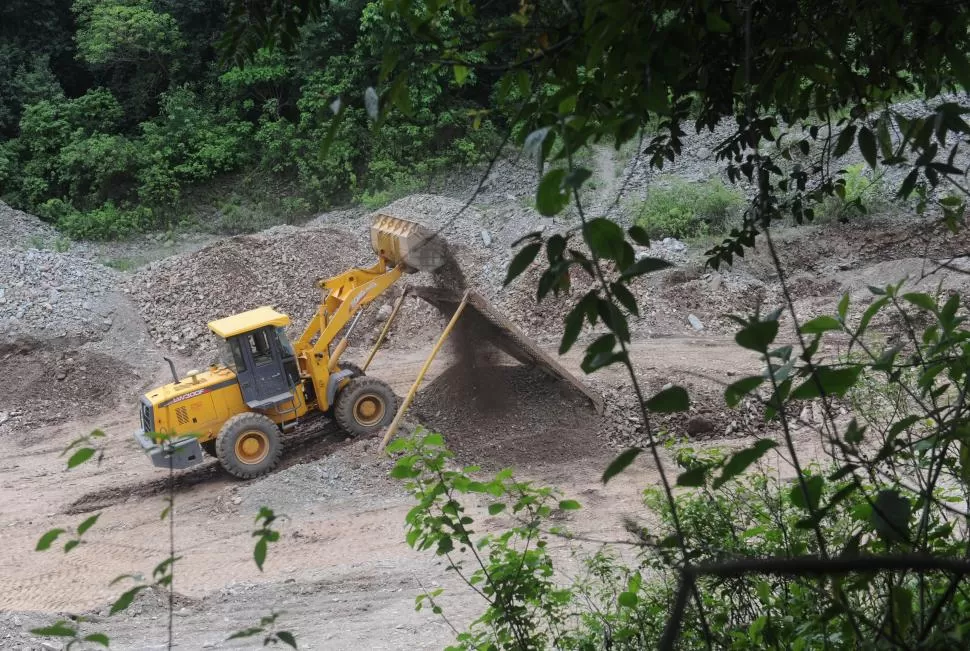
683, 210
106, 222
857, 192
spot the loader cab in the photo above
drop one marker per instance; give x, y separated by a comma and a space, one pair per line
255, 346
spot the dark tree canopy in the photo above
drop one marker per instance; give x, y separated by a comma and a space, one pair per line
804, 76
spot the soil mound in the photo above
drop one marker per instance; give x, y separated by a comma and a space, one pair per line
46, 383
70, 341
509, 416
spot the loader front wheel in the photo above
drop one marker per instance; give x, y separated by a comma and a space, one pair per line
366, 405
249, 445
355, 371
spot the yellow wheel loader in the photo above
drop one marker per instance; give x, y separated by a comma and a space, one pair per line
265, 385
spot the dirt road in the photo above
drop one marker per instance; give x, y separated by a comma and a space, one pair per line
341, 572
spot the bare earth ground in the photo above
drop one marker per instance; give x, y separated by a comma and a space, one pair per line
341, 573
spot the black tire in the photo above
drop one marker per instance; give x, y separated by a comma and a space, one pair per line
234, 441
209, 447
364, 406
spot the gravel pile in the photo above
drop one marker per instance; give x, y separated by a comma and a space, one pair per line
18, 229
46, 294
500, 416
177, 296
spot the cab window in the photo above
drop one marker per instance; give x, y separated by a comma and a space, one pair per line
286, 348
259, 344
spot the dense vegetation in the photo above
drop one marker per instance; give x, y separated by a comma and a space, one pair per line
114, 112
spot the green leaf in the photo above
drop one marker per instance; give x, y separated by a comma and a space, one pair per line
259, 553
246, 632
813, 485
605, 238
620, 463
902, 608
959, 65
87, 524
845, 140
737, 390
669, 401
48, 539
569, 505
740, 461
98, 638
693, 477
400, 95
820, 324
628, 600
644, 266
496, 508
716, 24
403, 470
870, 313
924, 301
461, 74
909, 183
844, 307
286, 638
626, 298
757, 336
574, 322
854, 433
80, 457
576, 178
125, 599
551, 198
639, 235
71, 544
831, 381
867, 145
445, 545
890, 515
596, 361
55, 630
522, 260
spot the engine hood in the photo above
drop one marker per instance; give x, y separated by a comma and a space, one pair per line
212, 378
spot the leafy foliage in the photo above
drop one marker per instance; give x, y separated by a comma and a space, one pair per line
161, 114
686, 210
863, 551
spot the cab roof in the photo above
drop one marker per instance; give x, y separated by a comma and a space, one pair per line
248, 321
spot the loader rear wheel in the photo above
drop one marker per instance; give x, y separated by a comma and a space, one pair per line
364, 406
249, 445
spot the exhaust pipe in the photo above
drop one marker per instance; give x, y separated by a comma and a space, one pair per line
171, 365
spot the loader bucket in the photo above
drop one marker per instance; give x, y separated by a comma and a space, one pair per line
400, 241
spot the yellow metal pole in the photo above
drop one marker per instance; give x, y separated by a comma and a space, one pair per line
387, 328
424, 369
